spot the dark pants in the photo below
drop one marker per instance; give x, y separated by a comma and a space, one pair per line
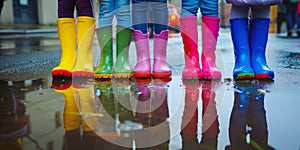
66, 8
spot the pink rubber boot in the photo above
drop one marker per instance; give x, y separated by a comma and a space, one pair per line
189, 34
160, 67
210, 29
142, 68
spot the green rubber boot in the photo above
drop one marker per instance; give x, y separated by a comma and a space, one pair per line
122, 67
105, 67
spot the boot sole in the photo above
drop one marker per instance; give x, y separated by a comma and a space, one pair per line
60, 73
102, 76
162, 75
122, 75
263, 76
245, 76
142, 74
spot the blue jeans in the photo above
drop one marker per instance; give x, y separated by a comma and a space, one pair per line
207, 8
141, 10
110, 8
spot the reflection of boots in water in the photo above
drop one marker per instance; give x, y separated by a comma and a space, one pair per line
152, 112
257, 117
210, 123
143, 112
143, 108
160, 109
85, 99
121, 90
160, 112
72, 119
124, 113
71, 114
110, 122
190, 116
248, 111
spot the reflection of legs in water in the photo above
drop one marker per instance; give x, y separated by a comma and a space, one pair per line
86, 103
112, 136
160, 112
143, 112
190, 116
210, 123
238, 119
257, 121
72, 119
248, 111
124, 114
153, 113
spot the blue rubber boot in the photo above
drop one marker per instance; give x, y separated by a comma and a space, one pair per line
259, 31
240, 38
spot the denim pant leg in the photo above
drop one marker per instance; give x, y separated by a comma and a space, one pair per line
160, 16
189, 7
122, 12
140, 15
209, 8
106, 13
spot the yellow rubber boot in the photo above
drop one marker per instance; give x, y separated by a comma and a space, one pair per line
84, 62
66, 28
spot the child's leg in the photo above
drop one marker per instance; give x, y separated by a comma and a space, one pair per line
84, 8
122, 67
160, 22
66, 8
259, 31
141, 38
66, 28
140, 15
105, 41
210, 33
189, 34
160, 16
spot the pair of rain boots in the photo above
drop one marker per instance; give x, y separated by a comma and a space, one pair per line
106, 68
74, 63
143, 67
189, 33
250, 48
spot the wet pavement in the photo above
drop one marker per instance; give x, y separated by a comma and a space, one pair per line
38, 112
